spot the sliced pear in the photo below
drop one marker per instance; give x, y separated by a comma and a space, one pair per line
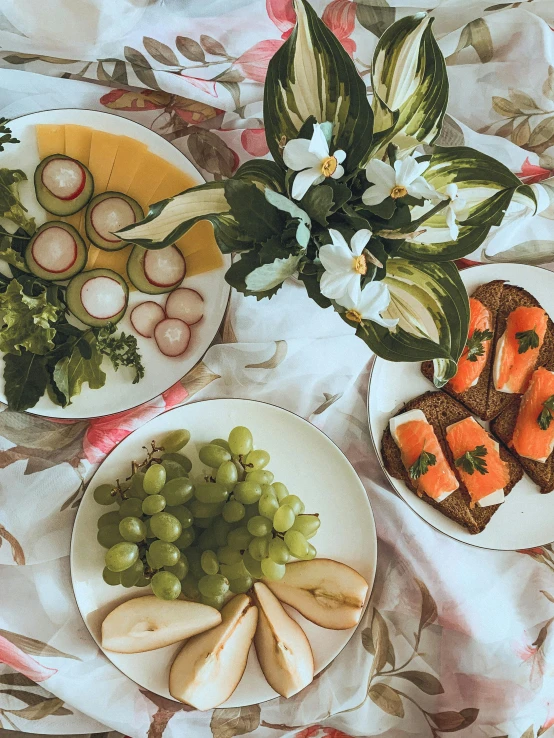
208, 669
324, 591
147, 623
282, 647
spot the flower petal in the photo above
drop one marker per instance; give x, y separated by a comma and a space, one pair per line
451, 223
374, 299
339, 155
375, 194
336, 258
318, 145
304, 180
335, 285
339, 171
380, 173
451, 190
297, 156
360, 240
408, 169
421, 188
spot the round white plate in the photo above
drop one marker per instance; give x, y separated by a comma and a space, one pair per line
162, 372
302, 457
526, 518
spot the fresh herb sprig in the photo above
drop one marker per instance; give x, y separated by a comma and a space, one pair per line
527, 340
421, 465
546, 414
6, 134
475, 345
473, 461
121, 350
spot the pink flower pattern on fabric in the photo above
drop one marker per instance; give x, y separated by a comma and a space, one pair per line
253, 63
282, 14
254, 141
340, 17
16, 659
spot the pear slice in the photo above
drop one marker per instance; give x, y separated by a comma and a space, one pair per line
208, 669
147, 623
324, 591
282, 647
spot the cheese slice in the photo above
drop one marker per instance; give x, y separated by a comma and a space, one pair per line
150, 174
130, 154
208, 256
495, 498
50, 139
174, 182
116, 260
103, 150
77, 146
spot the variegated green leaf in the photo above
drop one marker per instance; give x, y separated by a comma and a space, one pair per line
312, 75
431, 304
263, 173
410, 84
268, 276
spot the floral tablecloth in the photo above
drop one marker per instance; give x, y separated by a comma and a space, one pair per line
455, 639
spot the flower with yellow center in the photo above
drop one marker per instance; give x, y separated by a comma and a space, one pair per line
404, 178
344, 264
312, 160
368, 304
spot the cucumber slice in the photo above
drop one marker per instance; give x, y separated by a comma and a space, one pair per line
98, 297
63, 185
56, 252
107, 213
156, 271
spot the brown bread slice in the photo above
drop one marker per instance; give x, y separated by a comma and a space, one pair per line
441, 410
476, 398
503, 427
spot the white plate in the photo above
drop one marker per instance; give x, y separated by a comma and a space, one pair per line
526, 518
302, 457
162, 372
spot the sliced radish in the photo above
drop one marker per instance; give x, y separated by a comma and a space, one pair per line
186, 305
110, 215
103, 297
172, 336
164, 267
54, 250
146, 316
64, 178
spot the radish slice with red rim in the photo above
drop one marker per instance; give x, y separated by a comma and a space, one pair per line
164, 267
54, 250
186, 305
64, 178
110, 215
146, 316
103, 297
172, 336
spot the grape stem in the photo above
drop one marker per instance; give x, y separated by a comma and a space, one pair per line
148, 461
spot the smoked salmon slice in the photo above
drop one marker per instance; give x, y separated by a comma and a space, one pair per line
518, 349
422, 455
477, 459
534, 430
477, 349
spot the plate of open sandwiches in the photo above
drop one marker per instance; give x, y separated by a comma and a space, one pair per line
474, 459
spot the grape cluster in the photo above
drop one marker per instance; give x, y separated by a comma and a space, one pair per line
205, 539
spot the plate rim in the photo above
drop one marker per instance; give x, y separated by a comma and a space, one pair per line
391, 480
226, 286
374, 553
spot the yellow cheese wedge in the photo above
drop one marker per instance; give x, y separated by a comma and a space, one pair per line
103, 150
77, 146
207, 258
174, 182
50, 139
130, 154
116, 260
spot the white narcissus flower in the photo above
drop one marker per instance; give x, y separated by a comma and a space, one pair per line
454, 208
368, 304
343, 264
312, 161
398, 181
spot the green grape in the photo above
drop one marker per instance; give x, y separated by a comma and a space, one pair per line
189, 588
307, 525
132, 529
130, 576
121, 556
259, 548
213, 456
259, 526
195, 568
213, 585
228, 555
178, 491
175, 440
239, 538
280, 490
180, 459
173, 470
149, 560
180, 569
297, 544
268, 505
166, 585
186, 539
278, 551
233, 571
216, 602
109, 535
143, 582
312, 553
207, 540
284, 518
272, 571
250, 512
240, 585
104, 494
135, 488
204, 509
294, 502
211, 492
227, 474
209, 564
220, 442
260, 476
252, 566
153, 504
113, 578
240, 441
247, 492
183, 515
110, 518
233, 511
149, 533
132, 507
221, 530
166, 527
154, 479
162, 553
257, 459
205, 523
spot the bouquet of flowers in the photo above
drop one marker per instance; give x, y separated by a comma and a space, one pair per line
356, 202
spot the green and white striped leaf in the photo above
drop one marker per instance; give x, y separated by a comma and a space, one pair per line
432, 307
263, 173
410, 85
312, 75
485, 184
268, 276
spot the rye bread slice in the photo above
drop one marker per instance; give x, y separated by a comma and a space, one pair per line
503, 427
476, 398
441, 410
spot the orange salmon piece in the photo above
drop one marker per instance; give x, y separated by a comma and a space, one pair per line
531, 438
472, 363
518, 349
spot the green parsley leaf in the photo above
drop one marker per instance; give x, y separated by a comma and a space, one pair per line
547, 413
421, 465
473, 461
6, 134
27, 321
474, 344
527, 340
121, 350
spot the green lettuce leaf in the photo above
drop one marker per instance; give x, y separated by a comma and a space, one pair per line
71, 372
10, 204
27, 321
25, 379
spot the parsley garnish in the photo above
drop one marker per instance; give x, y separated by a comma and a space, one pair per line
527, 340
422, 464
6, 134
121, 350
547, 413
475, 344
473, 461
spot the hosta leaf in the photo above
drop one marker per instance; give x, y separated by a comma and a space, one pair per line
263, 173
312, 75
268, 276
409, 83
